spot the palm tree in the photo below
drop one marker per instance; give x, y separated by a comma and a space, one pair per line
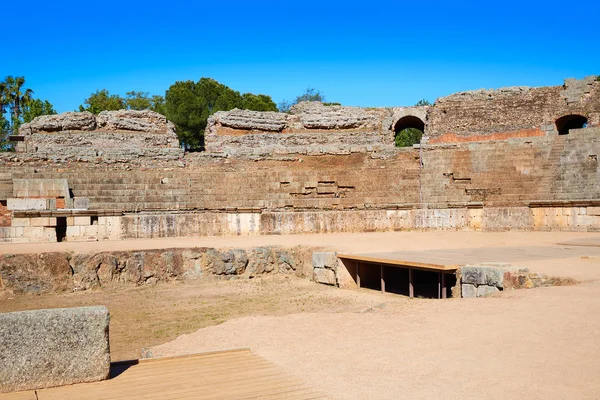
15, 96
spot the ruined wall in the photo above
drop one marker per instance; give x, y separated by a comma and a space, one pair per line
66, 272
114, 135
513, 172
310, 128
511, 112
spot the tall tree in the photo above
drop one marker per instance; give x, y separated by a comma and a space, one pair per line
15, 96
188, 105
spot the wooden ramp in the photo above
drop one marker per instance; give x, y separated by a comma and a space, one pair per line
235, 374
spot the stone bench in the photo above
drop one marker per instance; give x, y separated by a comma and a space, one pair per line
46, 348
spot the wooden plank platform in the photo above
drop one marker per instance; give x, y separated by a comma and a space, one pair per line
396, 259
235, 374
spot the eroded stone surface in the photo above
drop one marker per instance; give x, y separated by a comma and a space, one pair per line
47, 348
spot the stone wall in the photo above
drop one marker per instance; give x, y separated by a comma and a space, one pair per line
112, 135
47, 348
511, 112
65, 272
310, 128
488, 278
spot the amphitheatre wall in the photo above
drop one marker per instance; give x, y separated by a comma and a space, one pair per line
512, 112
311, 128
320, 168
112, 135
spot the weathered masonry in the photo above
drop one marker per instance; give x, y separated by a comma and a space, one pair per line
506, 159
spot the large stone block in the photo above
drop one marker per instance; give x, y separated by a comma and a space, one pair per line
26, 204
468, 291
325, 276
325, 260
473, 275
485, 290
46, 348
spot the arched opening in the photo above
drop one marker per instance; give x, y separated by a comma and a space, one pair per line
408, 131
568, 122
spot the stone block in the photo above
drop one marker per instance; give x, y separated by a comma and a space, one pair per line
468, 291
593, 211
51, 204
485, 290
73, 231
43, 221
325, 260
81, 221
473, 275
82, 203
26, 204
21, 222
69, 203
46, 348
325, 276
494, 277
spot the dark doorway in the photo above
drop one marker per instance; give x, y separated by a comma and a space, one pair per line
61, 228
568, 122
408, 131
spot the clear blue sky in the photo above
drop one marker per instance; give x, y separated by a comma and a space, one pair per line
369, 53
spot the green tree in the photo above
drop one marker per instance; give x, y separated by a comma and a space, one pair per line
310, 94
258, 102
15, 95
407, 137
4, 133
35, 108
423, 102
102, 100
188, 105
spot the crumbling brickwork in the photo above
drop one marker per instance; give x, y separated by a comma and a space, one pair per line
511, 112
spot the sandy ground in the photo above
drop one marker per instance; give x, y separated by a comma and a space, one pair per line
534, 344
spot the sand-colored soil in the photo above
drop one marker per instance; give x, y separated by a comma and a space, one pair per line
529, 344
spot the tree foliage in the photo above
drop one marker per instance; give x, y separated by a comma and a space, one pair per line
423, 102
188, 105
102, 100
37, 108
17, 101
310, 94
407, 137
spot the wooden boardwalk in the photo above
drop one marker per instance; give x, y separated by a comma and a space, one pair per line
235, 374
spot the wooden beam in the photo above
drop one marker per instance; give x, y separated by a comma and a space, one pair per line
411, 289
444, 295
382, 279
358, 275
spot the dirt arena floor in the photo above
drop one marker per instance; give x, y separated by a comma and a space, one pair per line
539, 343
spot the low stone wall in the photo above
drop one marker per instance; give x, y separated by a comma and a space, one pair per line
488, 278
46, 348
63, 272
163, 225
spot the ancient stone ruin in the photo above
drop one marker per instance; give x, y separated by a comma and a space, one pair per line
508, 159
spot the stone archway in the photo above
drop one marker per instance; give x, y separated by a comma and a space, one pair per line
408, 130
573, 121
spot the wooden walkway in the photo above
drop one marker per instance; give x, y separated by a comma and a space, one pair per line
235, 374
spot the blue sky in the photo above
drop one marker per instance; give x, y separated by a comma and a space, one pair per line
376, 53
